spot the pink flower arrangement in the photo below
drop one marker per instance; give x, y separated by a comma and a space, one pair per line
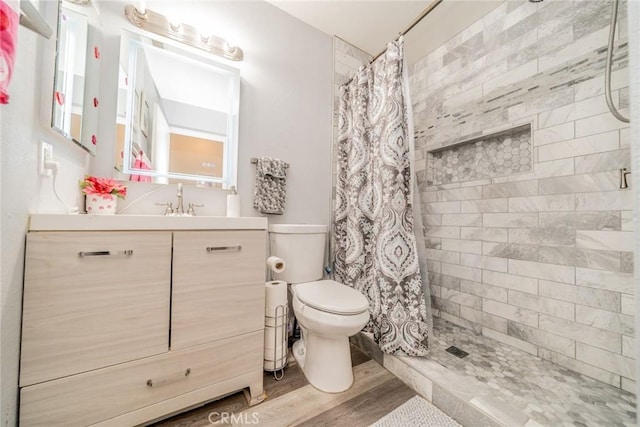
102, 186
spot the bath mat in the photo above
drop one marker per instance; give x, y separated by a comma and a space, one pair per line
416, 412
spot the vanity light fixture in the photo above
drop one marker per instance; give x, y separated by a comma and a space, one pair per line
184, 33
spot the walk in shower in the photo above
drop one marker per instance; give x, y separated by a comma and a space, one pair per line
528, 233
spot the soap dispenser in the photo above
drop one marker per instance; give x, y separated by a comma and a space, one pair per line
233, 203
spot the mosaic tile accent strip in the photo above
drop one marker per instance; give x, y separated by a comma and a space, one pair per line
500, 154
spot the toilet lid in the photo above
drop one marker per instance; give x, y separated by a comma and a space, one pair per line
332, 297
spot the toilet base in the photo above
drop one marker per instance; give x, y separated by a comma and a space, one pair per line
325, 362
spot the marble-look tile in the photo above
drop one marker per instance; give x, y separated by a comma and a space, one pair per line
605, 240
554, 203
602, 260
571, 112
483, 318
581, 367
579, 47
510, 281
484, 262
601, 162
595, 85
486, 234
603, 181
444, 207
549, 135
419, 383
607, 280
512, 251
486, 205
459, 321
596, 298
468, 193
368, 347
612, 362
628, 304
511, 189
581, 333
443, 232
432, 219
628, 347
553, 307
554, 168
628, 385
626, 259
597, 124
549, 236
615, 322
484, 290
541, 338
511, 220
625, 138
556, 273
606, 200
509, 340
521, 315
604, 220
444, 281
586, 145
460, 410
443, 256
462, 298
627, 220
445, 306
466, 246
465, 220
462, 272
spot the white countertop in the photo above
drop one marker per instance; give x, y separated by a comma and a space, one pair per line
83, 222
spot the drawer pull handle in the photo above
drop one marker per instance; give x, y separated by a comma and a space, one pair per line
127, 252
151, 383
236, 248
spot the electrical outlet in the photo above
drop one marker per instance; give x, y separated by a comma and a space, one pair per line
46, 155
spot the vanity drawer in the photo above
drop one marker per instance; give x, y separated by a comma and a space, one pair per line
87, 304
92, 397
218, 285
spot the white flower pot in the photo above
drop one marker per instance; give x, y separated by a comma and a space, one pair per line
101, 204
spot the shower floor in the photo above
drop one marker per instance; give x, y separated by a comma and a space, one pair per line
500, 383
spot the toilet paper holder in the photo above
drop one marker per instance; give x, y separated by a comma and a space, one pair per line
279, 323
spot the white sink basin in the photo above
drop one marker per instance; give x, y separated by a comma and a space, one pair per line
59, 222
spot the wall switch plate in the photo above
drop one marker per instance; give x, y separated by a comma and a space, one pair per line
46, 155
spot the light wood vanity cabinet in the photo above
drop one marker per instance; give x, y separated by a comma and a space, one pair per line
123, 327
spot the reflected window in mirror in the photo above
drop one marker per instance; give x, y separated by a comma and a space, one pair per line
177, 115
76, 78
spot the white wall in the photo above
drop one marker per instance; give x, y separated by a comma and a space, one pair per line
285, 113
285, 102
22, 190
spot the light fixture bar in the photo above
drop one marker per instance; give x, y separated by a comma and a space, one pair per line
184, 33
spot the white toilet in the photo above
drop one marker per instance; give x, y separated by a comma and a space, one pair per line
328, 312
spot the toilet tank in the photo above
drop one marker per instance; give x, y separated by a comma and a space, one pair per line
302, 247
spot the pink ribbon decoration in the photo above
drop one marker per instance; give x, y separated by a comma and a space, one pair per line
8, 38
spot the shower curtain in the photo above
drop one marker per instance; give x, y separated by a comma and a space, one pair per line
374, 229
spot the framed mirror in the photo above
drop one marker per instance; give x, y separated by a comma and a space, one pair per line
76, 78
178, 114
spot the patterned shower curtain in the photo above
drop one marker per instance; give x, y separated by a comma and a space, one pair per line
375, 243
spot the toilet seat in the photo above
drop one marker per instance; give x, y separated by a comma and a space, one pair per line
331, 297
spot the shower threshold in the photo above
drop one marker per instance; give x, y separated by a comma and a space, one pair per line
499, 385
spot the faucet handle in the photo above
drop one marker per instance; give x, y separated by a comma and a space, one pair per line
191, 210
169, 205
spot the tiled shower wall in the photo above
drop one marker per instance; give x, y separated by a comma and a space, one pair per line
539, 260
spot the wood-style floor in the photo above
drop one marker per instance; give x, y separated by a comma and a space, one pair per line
294, 402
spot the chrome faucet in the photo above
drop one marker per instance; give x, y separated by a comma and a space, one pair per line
179, 208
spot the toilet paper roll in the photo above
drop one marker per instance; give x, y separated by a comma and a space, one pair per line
275, 331
276, 264
275, 295
274, 337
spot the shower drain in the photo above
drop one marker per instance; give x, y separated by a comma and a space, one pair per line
457, 352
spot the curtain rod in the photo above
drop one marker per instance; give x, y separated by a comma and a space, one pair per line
409, 27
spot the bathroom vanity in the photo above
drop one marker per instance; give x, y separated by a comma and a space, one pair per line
127, 319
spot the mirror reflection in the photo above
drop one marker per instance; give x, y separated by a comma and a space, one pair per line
71, 59
177, 115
